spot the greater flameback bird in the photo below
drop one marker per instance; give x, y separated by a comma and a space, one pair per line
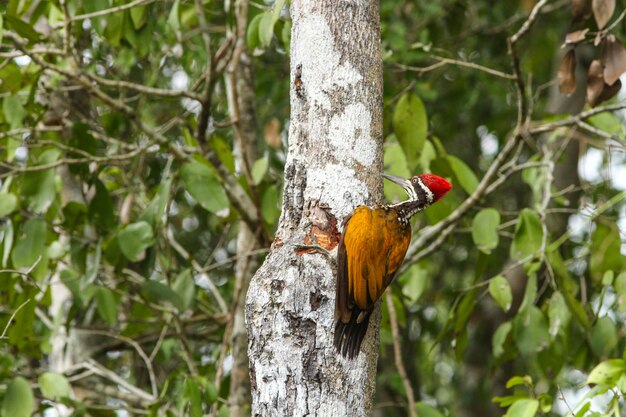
372, 248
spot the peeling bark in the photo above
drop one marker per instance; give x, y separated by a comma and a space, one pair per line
334, 163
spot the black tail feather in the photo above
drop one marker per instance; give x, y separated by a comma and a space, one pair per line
349, 336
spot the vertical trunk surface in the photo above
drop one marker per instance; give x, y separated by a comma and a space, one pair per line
333, 165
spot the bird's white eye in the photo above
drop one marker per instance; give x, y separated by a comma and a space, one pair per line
414, 180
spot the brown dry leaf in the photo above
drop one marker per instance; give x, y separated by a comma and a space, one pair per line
567, 73
271, 131
575, 37
581, 9
603, 11
613, 59
610, 91
595, 82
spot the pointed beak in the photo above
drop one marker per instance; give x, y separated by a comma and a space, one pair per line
402, 182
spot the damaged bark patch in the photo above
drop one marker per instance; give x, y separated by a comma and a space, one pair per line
316, 298
323, 228
278, 286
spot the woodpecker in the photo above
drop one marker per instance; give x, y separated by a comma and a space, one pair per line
371, 249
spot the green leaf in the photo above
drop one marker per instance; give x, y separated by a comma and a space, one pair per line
114, 30
55, 250
14, 112
10, 78
185, 287
583, 410
204, 186
8, 203
528, 235
530, 331
603, 338
425, 410
31, 245
266, 29
414, 281
134, 239
174, 17
464, 174
530, 293
545, 402
224, 411
1, 27
193, 395
224, 152
608, 122
54, 385
210, 393
605, 250
410, 124
106, 304
621, 383
267, 22
510, 399
499, 338
22, 28
21, 330
523, 408
519, 380
395, 159
485, 229
259, 169
620, 290
158, 292
558, 314
285, 34
607, 373
39, 186
101, 211
607, 278
269, 205
252, 35
156, 209
427, 155
18, 399
500, 290
465, 310
138, 16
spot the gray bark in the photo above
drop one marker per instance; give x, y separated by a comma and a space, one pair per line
333, 164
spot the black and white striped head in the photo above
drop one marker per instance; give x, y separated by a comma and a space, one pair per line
425, 189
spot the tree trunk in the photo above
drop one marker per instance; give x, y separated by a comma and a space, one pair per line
333, 164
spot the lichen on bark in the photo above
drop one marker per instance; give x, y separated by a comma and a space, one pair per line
334, 161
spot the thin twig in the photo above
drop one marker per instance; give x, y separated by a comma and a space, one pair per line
153, 91
449, 61
116, 9
181, 251
397, 351
4, 332
104, 372
441, 230
186, 352
138, 349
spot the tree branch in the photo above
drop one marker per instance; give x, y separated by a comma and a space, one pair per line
397, 351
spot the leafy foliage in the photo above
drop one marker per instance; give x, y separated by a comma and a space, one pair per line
119, 215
